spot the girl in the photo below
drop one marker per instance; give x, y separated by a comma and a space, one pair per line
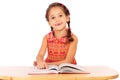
60, 43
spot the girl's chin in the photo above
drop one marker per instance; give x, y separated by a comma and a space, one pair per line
59, 29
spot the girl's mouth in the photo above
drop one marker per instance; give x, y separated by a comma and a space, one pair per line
58, 24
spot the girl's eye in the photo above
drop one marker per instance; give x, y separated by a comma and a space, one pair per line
52, 17
60, 15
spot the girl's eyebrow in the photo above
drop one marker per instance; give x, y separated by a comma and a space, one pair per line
61, 13
51, 16
58, 14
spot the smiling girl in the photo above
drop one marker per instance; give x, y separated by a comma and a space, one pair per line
60, 42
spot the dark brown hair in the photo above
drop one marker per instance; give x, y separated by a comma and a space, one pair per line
67, 13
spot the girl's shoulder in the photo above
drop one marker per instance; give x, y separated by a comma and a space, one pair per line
49, 36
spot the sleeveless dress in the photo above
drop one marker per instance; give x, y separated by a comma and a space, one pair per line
57, 48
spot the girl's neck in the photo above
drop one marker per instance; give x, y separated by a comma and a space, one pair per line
59, 34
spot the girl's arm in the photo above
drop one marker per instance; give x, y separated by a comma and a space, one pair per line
71, 53
41, 53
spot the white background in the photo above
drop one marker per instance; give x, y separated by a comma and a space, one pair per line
95, 22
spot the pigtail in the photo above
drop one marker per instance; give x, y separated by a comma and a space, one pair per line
51, 28
70, 39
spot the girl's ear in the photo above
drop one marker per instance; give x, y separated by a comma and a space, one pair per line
68, 18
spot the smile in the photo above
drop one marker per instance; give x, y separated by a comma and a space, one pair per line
58, 24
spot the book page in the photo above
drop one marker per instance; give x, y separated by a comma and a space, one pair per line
53, 67
71, 70
71, 66
35, 71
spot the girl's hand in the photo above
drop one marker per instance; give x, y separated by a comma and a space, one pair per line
42, 65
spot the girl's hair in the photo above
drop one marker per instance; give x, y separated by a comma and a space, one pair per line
67, 13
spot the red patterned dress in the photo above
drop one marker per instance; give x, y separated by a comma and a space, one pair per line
57, 48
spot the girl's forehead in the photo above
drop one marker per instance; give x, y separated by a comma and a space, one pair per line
55, 10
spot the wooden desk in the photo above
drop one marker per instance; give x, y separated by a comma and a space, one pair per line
21, 73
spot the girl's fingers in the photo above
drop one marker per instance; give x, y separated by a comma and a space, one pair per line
45, 64
34, 63
42, 65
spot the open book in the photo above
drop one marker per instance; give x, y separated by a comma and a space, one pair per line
62, 68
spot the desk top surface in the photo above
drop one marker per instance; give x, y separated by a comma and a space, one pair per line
21, 73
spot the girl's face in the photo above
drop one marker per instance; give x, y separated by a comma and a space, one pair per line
57, 18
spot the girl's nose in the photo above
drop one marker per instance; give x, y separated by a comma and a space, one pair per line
57, 19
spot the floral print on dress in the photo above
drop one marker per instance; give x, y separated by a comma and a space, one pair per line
57, 48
